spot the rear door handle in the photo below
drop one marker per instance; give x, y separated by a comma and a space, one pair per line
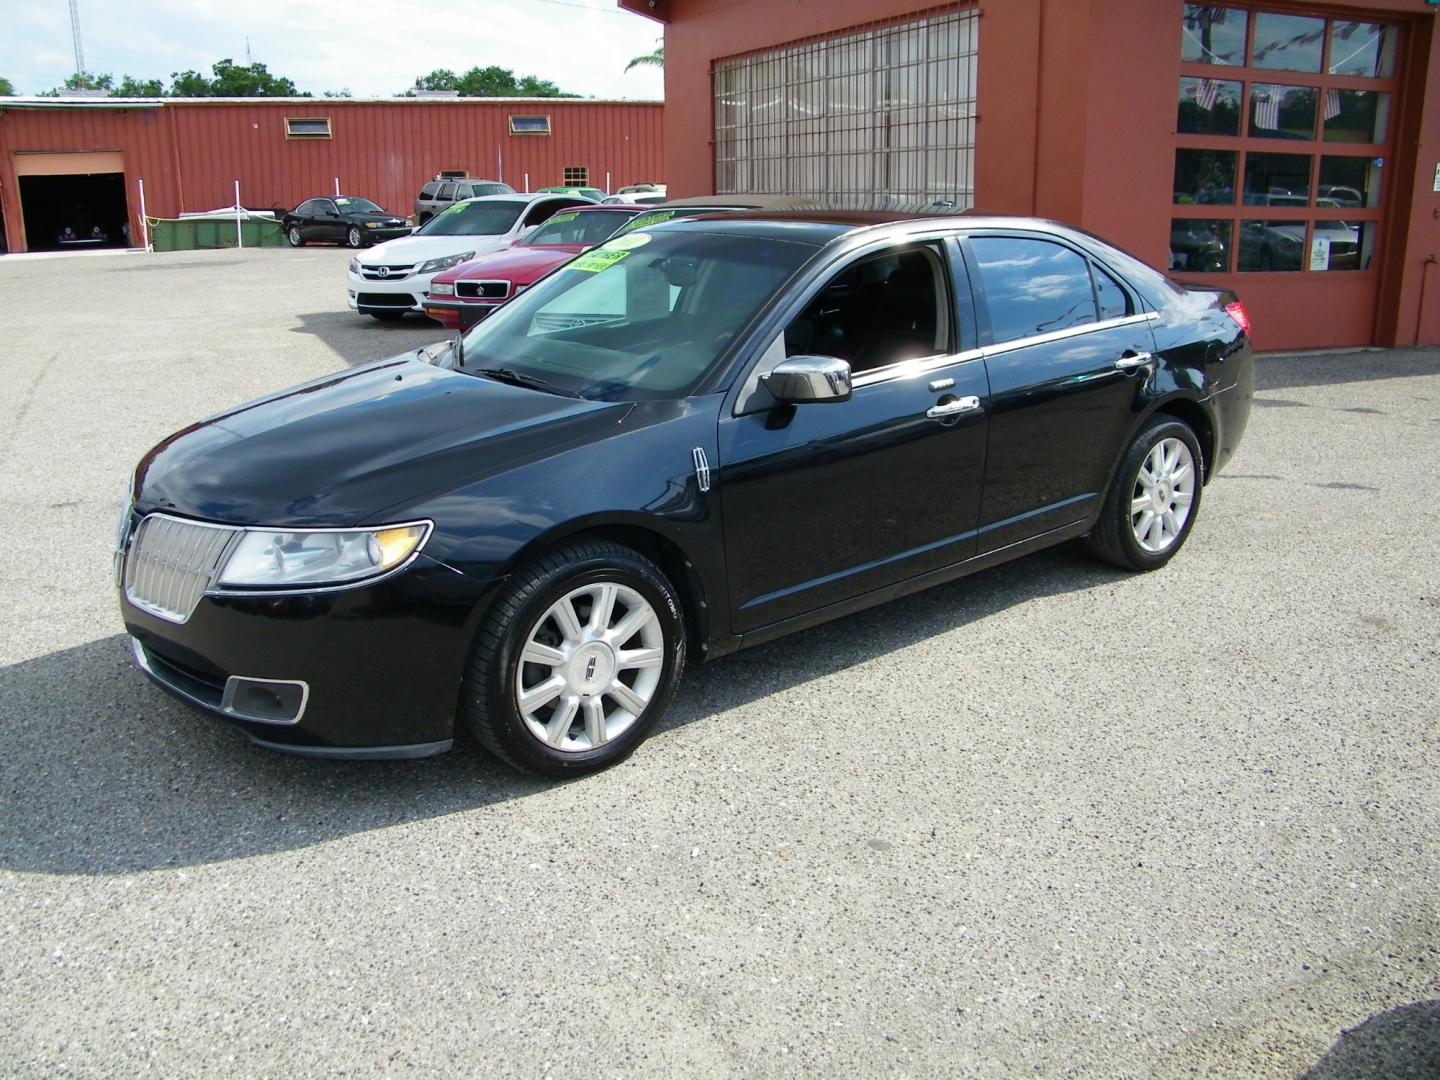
953, 408
1133, 360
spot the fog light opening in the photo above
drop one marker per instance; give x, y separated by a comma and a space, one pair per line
267, 701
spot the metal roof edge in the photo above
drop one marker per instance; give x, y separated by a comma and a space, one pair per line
34, 101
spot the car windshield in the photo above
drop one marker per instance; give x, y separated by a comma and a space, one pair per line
643, 317
577, 227
349, 205
473, 219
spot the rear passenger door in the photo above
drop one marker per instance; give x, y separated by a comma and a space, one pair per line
1067, 348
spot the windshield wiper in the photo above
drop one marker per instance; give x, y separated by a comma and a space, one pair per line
515, 378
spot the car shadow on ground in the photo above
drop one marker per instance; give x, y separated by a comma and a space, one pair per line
104, 773
358, 339
1398, 1044
1285, 370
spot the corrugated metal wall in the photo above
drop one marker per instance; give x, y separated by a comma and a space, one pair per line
190, 153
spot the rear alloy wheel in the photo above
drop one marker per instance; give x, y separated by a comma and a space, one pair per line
1153, 500
577, 660
296, 240
354, 237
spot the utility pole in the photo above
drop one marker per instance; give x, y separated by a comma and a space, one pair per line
75, 37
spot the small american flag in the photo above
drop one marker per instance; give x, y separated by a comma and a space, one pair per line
1206, 92
1332, 104
1267, 111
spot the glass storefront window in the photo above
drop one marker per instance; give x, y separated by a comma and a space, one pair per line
1287, 42
1212, 35
1341, 245
1365, 50
1356, 116
1271, 245
1199, 246
1209, 107
1277, 180
1282, 112
1205, 177
1348, 182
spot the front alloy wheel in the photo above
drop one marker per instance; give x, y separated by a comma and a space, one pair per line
296, 240
354, 237
576, 660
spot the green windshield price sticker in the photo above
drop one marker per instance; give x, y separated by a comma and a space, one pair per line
594, 261
654, 217
628, 242
565, 217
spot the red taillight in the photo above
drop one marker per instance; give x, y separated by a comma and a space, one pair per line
1236, 311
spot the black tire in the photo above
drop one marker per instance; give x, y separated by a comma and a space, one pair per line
354, 237
293, 235
386, 316
1114, 538
489, 706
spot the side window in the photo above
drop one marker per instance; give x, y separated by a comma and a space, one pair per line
1114, 301
446, 193
1032, 286
876, 312
325, 208
429, 190
306, 208
542, 211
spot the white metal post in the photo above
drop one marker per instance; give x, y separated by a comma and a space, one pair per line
144, 221
527, 183
499, 164
337, 187
239, 237
607, 181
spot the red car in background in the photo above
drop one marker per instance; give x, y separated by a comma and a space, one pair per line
460, 297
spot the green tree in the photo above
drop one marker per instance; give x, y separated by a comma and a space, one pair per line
132, 87
82, 81
654, 58
488, 82
230, 79
6, 89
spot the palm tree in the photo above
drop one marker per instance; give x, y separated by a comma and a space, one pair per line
650, 59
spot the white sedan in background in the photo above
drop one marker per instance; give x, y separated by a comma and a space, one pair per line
391, 278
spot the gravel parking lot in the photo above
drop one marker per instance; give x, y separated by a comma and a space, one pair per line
1051, 820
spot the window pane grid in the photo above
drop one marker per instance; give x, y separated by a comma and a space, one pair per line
885, 113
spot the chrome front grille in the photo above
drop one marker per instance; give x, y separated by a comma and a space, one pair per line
482, 290
172, 562
396, 272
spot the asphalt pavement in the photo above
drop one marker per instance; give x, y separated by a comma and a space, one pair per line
1050, 820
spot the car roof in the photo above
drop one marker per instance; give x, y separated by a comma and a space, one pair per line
519, 197
819, 226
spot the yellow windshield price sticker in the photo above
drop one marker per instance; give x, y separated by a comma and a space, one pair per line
597, 260
654, 217
628, 242
571, 216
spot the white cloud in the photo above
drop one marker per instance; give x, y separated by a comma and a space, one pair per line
376, 48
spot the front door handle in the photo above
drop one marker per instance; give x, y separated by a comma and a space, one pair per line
1132, 360
953, 408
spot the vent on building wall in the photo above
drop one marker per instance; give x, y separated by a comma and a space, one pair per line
576, 176
529, 125
307, 127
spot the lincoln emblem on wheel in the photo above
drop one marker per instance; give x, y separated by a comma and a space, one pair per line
712, 432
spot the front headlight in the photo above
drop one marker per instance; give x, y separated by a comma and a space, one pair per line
442, 289
355, 265
320, 556
432, 266
372, 224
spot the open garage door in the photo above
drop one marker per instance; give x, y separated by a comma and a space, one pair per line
883, 113
73, 201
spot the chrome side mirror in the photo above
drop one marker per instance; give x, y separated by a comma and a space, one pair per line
802, 380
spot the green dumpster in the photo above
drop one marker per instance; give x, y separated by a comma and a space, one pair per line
191, 234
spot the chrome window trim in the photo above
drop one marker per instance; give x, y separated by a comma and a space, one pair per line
909, 369
1068, 332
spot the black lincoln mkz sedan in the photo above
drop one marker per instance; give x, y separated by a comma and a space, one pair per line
694, 438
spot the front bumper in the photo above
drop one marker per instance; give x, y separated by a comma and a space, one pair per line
380, 665
377, 294
379, 236
458, 314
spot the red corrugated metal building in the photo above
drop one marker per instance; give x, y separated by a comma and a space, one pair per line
190, 152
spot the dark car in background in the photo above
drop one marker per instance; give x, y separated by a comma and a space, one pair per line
691, 439
441, 194
342, 219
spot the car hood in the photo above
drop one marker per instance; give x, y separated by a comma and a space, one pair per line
414, 249
339, 450
522, 265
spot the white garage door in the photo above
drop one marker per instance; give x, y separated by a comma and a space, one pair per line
885, 113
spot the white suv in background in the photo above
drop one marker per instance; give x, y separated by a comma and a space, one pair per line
391, 278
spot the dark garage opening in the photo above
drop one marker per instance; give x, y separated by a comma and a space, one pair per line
90, 205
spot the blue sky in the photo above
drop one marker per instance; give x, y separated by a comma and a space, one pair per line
374, 47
